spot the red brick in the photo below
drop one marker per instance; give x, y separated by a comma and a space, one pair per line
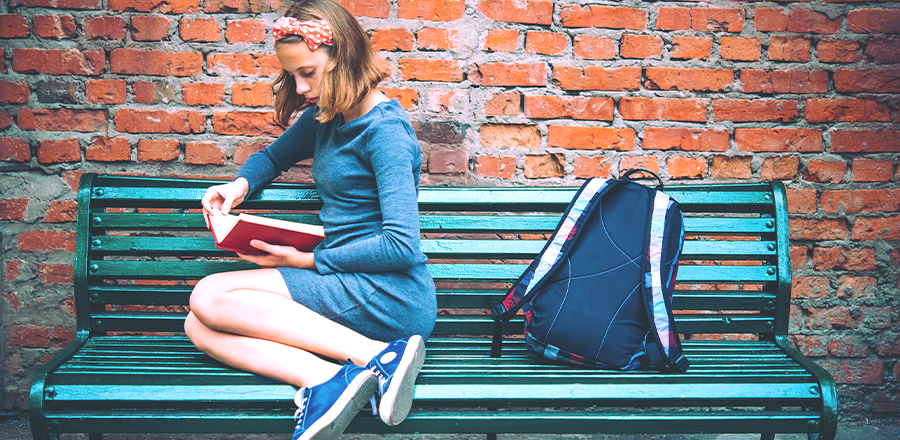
105, 91
56, 273
889, 345
789, 49
158, 150
876, 317
6, 119
641, 46
32, 336
243, 64
199, 29
517, 11
838, 51
412, 69
804, 140
546, 43
453, 101
875, 81
105, 28
510, 75
13, 271
14, 150
503, 104
758, 110
150, 28
158, 6
510, 136
591, 138
246, 124
860, 200
392, 39
685, 139
361, 8
408, 98
594, 48
203, 93
703, 80
691, 47
438, 39
155, 62
634, 162
540, 166
673, 19
597, 78
825, 171
717, 20
872, 228
848, 346
159, 121
784, 81
883, 50
433, 10
203, 153
13, 26
59, 151
152, 92
682, 167
810, 287
731, 167
840, 258
811, 345
603, 17
594, 166
575, 107
59, 61
806, 21
14, 93
780, 168
741, 49
812, 229
246, 31
54, 26
495, 167
771, 20
873, 170
856, 287
501, 40
85, 121
846, 110
801, 201
832, 319
244, 149
865, 141
40, 240
875, 21
258, 94
663, 109
13, 209
448, 162
106, 149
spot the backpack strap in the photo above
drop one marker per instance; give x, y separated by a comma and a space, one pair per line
528, 284
665, 353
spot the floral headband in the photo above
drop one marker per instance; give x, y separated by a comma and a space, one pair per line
314, 32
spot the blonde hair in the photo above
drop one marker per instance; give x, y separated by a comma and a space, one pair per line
353, 69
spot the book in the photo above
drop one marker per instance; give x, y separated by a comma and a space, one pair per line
234, 232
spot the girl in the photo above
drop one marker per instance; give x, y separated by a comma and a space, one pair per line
368, 283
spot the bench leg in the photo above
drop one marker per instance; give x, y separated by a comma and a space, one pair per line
767, 436
492, 437
95, 436
813, 436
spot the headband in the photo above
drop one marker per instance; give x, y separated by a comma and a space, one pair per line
314, 32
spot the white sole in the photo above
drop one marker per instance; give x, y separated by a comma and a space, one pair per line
397, 400
333, 423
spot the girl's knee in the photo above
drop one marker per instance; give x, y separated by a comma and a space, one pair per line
193, 328
203, 299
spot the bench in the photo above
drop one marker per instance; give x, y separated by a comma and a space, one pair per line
141, 243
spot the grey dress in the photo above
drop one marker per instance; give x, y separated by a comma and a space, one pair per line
370, 272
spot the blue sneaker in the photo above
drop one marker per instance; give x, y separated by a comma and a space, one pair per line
325, 410
397, 367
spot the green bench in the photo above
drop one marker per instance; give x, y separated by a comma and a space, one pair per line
141, 242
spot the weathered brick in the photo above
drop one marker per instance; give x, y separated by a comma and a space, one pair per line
56, 273
758, 110
591, 138
32, 336
597, 78
106, 149
258, 94
510, 136
408, 98
199, 29
685, 139
158, 150
784, 81
837, 51
52, 91
440, 132
673, 19
14, 93
13, 210
14, 150
546, 43
503, 104
806, 21
159, 6
873, 170
633, 162
641, 46
592, 166
501, 40
59, 4
392, 39
860, 200
865, 141
789, 49
433, 10
594, 48
825, 171
150, 27
875, 21
105, 91
59, 61
54, 26
603, 17
243, 64
663, 109
702, 80
159, 121
453, 101
731, 167
575, 107
683, 167
6, 119
801, 201
717, 19
872, 228
740, 49
155, 62
360, 8
246, 31
448, 162
495, 167
846, 110
246, 124
810, 287
874, 81
811, 345
203, 93
243, 150
104, 28
412, 69
13, 26
539, 166
850, 286
145, 92
44, 240
59, 151
883, 50
848, 346
203, 153
841, 258
804, 140
684, 47
780, 168
64, 119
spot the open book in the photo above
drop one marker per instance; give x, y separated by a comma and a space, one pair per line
234, 232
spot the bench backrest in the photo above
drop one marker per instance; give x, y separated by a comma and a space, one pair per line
142, 243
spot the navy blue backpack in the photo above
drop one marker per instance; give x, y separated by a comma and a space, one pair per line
600, 292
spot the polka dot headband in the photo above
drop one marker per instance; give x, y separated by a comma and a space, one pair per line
314, 32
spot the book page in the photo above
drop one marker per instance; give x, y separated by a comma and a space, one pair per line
284, 224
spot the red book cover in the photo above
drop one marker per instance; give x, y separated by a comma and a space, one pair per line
234, 232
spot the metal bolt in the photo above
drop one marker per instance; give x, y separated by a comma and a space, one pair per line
812, 425
771, 246
94, 268
95, 297
96, 242
770, 305
770, 271
767, 197
96, 220
99, 191
53, 425
770, 325
814, 390
726, 320
770, 224
50, 391
97, 325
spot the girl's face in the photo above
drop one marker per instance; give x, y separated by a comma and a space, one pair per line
306, 66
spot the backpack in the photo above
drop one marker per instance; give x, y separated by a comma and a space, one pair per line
600, 292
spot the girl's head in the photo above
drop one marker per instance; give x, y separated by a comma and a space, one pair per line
335, 76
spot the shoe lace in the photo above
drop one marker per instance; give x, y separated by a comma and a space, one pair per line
301, 407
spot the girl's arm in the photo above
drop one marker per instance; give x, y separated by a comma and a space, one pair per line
295, 144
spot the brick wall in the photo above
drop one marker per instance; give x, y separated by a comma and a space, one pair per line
502, 92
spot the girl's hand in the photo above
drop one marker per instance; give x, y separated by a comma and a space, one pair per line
280, 256
224, 197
